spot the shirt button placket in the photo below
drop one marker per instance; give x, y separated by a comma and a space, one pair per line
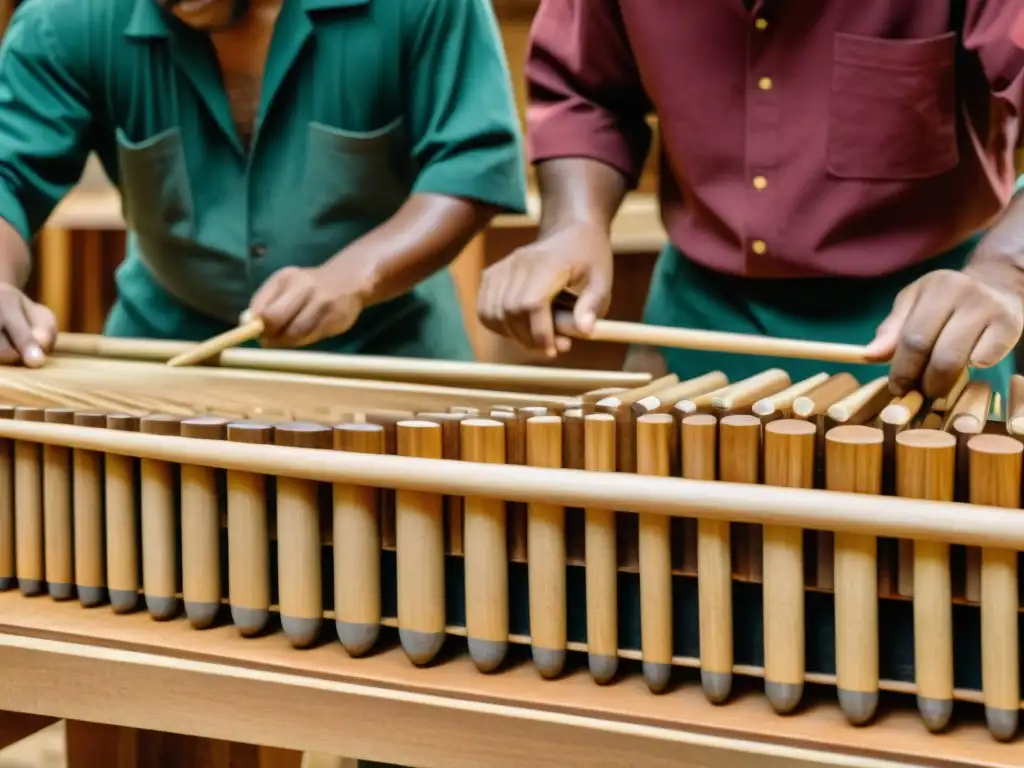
764, 84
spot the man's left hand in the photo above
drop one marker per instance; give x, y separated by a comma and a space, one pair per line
946, 321
300, 306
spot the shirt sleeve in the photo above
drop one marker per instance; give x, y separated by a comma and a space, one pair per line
586, 98
466, 138
986, 33
45, 114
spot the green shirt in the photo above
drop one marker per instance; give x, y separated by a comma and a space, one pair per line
364, 102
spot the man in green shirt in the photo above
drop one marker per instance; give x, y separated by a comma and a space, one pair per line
317, 161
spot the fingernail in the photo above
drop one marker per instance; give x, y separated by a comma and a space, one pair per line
34, 355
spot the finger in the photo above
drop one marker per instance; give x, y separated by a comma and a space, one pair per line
43, 323
887, 335
488, 302
917, 338
994, 344
592, 302
301, 330
282, 311
269, 292
19, 332
517, 315
952, 352
8, 354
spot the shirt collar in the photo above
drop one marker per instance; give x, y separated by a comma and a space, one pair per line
148, 20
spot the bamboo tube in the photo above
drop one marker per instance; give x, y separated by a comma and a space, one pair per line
780, 404
711, 341
486, 559
853, 463
546, 554
122, 520
451, 437
8, 575
743, 394
392, 369
663, 400
861, 405
925, 463
57, 512
28, 509
621, 407
995, 467
943, 404
89, 555
248, 535
653, 441
159, 526
515, 455
975, 525
1015, 412
249, 328
299, 565
699, 434
200, 527
893, 419
739, 461
601, 557
420, 549
356, 539
788, 463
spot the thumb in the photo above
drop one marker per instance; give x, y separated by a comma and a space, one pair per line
887, 335
592, 302
43, 324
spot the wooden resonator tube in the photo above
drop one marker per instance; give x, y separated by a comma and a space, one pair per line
356, 540
299, 565
8, 573
57, 512
87, 502
248, 535
200, 528
788, 462
853, 464
122, 521
925, 469
419, 524
601, 556
486, 552
159, 524
28, 509
995, 478
545, 556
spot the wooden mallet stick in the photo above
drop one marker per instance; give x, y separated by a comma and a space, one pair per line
248, 328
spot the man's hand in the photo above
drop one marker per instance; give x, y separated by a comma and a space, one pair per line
946, 321
29, 329
301, 306
516, 293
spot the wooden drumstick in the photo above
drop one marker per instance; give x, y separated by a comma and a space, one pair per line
853, 464
57, 512
357, 547
248, 328
486, 555
711, 341
419, 543
788, 463
248, 536
7, 568
995, 471
90, 566
545, 556
699, 434
299, 565
601, 560
122, 521
654, 434
28, 509
159, 526
925, 464
200, 528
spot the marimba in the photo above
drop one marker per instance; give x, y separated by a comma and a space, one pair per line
812, 548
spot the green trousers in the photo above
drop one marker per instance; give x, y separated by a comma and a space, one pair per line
846, 310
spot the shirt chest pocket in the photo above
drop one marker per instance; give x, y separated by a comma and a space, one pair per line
892, 115
153, 178
356, 175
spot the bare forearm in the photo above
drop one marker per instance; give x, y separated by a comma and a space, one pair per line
425, 235
15, 257
579, 190
1003, 246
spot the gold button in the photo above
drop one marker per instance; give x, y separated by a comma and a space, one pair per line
765, 83
759, 247
760, 182
761, 23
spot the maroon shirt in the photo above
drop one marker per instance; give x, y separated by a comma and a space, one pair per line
844, 137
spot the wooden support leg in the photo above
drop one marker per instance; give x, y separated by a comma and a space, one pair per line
91, 745
15, 726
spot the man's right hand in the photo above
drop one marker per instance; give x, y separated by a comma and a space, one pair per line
29, 329
516, 293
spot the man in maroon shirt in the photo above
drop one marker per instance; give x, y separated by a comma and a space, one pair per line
839, 171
